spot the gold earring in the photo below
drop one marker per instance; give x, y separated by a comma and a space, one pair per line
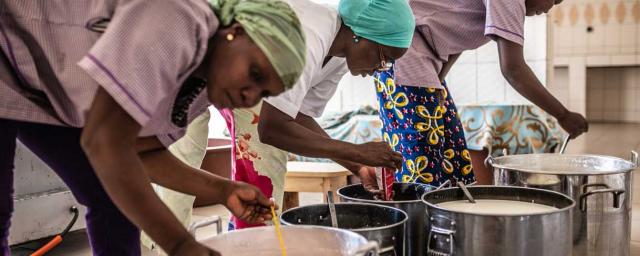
230, 37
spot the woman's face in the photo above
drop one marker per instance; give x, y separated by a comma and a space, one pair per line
238, 73
365, 57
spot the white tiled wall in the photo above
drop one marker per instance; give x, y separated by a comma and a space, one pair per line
615, 30
604, 63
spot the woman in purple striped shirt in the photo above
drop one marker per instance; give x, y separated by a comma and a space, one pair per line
98, 89
419, 115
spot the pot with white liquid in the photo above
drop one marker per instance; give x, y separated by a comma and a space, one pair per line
600, 185
503, 221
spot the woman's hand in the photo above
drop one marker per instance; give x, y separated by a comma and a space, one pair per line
574, 123
377, 154
190, 247
368, 178
247, 202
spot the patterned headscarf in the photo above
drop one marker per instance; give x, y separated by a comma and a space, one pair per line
387, 22
274, 27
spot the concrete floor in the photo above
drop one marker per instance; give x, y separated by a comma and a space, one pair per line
607, 139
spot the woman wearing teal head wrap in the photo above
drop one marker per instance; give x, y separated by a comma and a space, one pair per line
374, 33
359, 36
370, 19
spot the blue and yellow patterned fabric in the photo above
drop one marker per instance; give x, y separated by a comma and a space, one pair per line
422, 124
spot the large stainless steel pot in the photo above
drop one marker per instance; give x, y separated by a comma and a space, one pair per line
382, 224
299, 241
407, 197
457, 233
600, 185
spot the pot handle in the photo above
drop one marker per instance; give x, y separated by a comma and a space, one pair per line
488, 162
206, 222
585, 187
441, 227
433, 235
634, 158
616, 197
369, 249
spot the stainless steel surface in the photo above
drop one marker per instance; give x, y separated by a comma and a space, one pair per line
299, 240
456, 233
408, 198
466, 192
602, 191
383, 224
42, 215
332, 209
41, 200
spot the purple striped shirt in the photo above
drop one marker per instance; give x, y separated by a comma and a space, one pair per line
449, 27
139, 51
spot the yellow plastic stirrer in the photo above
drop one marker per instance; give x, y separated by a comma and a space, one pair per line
278, 232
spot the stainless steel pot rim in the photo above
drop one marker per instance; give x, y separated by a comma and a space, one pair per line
379, 202
567, 208
401, 222
272, 228
625, 165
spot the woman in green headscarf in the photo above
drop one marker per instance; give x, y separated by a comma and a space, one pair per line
101, 106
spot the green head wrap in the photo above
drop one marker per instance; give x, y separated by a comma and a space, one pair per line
387, 22
274, 27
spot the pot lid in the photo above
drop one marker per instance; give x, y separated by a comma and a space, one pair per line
563, 164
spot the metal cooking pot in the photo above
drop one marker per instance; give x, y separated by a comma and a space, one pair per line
379, 223
407, 197
600, 185
457, 233
299, 241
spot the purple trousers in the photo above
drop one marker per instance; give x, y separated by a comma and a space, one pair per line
110, 232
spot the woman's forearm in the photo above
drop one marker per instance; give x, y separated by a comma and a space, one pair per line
279, 130
312, 125
524, 81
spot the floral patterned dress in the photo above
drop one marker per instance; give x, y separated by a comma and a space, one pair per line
423, 125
